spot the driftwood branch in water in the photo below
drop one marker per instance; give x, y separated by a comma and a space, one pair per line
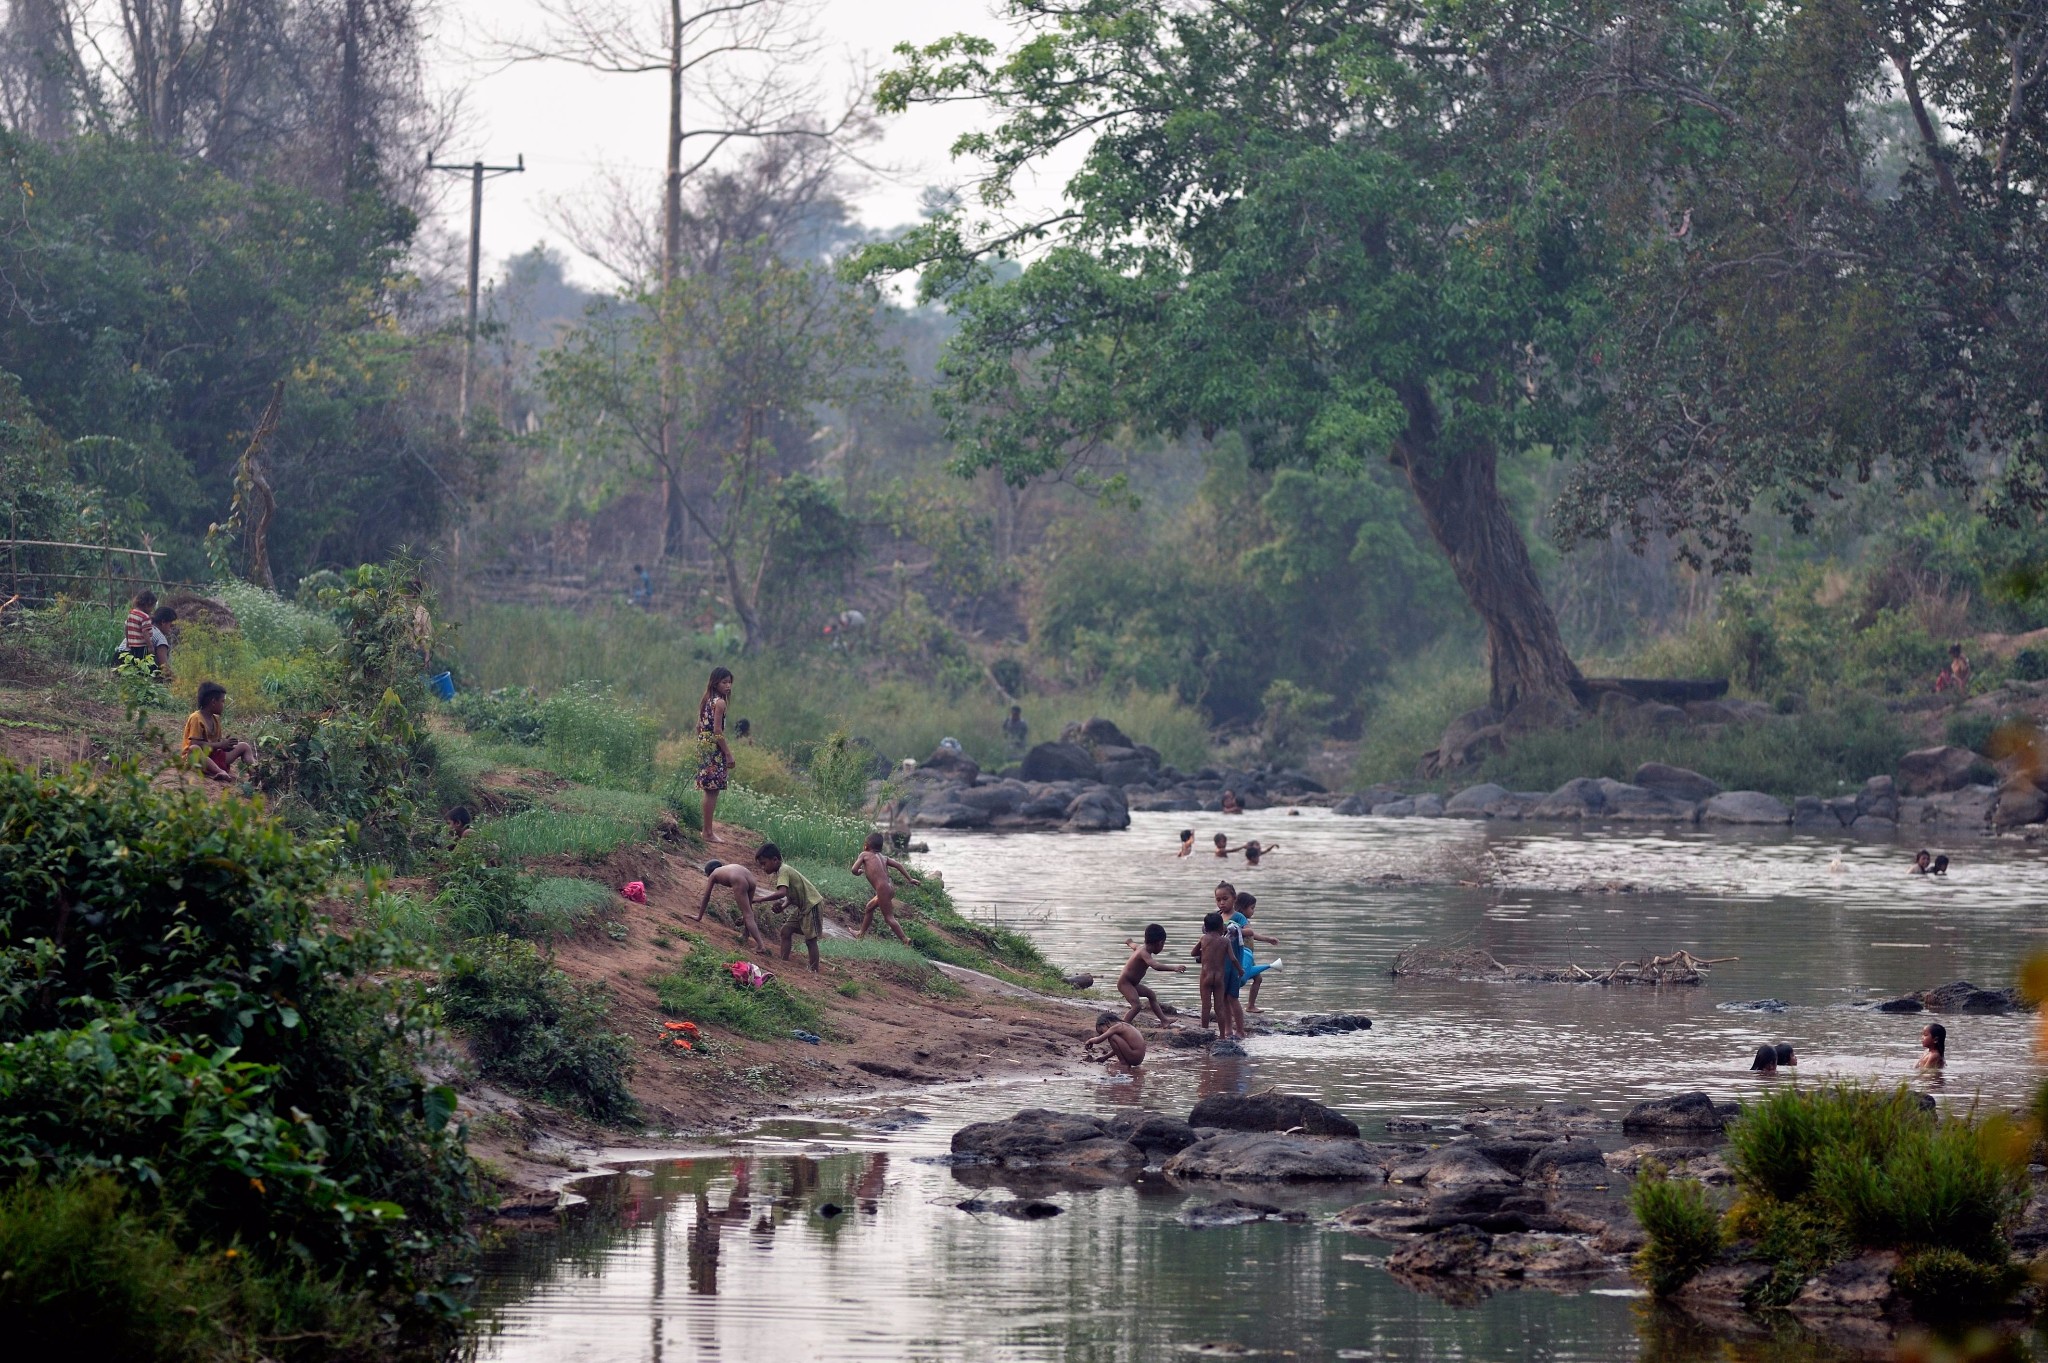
1427, 961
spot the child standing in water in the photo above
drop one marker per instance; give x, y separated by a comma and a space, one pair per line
1252, 851
1130, 983
1933, 1047
1187, 842
1124, 1041
1247, 904
1223, 847
1214, 951
876, 867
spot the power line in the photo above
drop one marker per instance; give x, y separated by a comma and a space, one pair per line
477, 172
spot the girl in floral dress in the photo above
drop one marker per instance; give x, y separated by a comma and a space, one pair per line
714, 758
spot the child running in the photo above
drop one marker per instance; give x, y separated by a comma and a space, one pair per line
1124, 1041
1130, 983
876, 867
745, 892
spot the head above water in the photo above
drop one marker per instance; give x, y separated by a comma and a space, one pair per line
1766, 1060
1155, 937
1940, 866
1785, 1057
769, 856
1187, 835
1212, 922
1222, 841
1934, 1037
874, 842
1922, 857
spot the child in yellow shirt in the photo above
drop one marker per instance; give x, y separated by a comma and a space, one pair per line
217, 753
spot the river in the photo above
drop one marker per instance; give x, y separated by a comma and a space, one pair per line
727, 1254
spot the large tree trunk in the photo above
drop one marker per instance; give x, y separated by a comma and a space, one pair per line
1461, 501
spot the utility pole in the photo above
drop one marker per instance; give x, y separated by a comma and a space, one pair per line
477, 172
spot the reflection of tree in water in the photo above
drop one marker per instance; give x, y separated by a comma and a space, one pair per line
1672, 1335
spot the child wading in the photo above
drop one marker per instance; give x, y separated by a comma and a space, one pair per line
876, 867
1130, 983
217, 752
1247, 904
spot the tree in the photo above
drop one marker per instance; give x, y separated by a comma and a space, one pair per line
1315, 223
729, 360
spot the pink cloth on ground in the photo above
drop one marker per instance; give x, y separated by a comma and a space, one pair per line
634, 890
749, 974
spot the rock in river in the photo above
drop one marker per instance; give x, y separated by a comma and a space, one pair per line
1271, 1112
1260, 1156
1036, 1138
1687, 1112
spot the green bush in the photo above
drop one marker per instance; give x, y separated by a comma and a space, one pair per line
273, 627
1683, 1228
1943, 1283
1775, 1148
2030, 664
83, 632
478, 899
510, 714
1973, 729
839, 775
702, 990
172, 1011
591, 736
535, 1030
905, 965
803, 831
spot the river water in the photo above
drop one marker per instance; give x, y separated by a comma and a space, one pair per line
727, 1254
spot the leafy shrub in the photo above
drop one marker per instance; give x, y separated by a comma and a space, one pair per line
765, 770
478, 899
171, 1012
591, 736
1972, 729
406, 917
534, 1029
84, 632
702, 990
273, 627
898, 962
1945, 1186
2030, 664
839, 774
1942, 1283
1684, 1230
1290, 719
511, 714
369, 772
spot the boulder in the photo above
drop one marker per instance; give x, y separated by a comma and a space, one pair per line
1964, 997
1102, 733
1097, 809
1711, 712
1874, 825
1473, 801
1969, 807
2019, 803
1725, 1284
1468, 1251
1748, 807
1538, 712
996, 797
1263, 1156
1232, 1211
1058, 762
1675, 783
1902, 1005
1581, 798
1048, 802
1571, 1163
1156, 1134
1879, 797
1329, 1024
1461, 743
1625, 803
1394, 809
1124, 766
1429, 805
950, 765
1862, 1284
1844, 808
1351, 806
1811, 812
1686, 1112
1457, 1250
1459, 1165
1271, 1112
1037, 1138
1936, 771
949, 813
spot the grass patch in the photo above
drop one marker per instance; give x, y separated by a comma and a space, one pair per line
896, 962
804, 832
558, 906
534, 833
407, 917
702, 990
795, 700
1684, 1230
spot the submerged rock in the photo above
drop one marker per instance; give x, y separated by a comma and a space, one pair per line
1271, 1112
1234, 1211
1328, 1024
1016, 1208
1862, 1284
1036, 1138
1467, 1250
1259, 1156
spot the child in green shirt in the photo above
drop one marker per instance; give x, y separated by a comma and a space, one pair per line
804, 905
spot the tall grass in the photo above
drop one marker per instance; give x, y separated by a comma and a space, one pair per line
535, 833
591, 736
1684, 1230
796, 701
273, 626
898, 962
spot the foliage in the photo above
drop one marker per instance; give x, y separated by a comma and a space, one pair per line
898, 962
803, 831
1945, 1284
1684, 1230
1290, 718
839, 774
367, 772
274, 627
558, 906
169, 1012
535, 1030
591, 736
510, 713
84, 632
702, 990
533, 833
1824, 1170
478, 899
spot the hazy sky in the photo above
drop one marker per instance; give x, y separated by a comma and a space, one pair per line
570, 124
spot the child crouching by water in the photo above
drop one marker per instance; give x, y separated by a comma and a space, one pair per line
1124, 1041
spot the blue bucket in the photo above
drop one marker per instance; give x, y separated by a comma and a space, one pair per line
443, 684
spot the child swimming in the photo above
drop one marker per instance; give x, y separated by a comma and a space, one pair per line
1252, 851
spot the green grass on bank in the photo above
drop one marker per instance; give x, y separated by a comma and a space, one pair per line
795, 701
702, 990
1821, 752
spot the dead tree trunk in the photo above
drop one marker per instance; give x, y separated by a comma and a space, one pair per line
1461, 503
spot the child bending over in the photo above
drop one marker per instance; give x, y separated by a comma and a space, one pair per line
1124, 1041
745, 892
1145, 958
